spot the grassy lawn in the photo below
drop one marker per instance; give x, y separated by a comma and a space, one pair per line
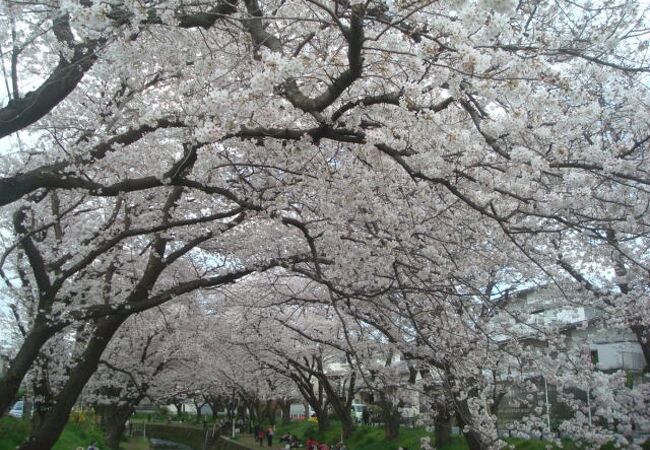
13, 432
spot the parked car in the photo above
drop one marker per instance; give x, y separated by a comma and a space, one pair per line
17, 410
357, 410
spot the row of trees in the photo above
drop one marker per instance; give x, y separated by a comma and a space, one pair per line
370, 177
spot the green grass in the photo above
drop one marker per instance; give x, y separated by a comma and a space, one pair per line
79, 435
13, 432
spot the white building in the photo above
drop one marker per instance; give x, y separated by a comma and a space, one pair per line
533, 309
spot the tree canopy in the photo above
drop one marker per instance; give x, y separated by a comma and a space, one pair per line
364, 179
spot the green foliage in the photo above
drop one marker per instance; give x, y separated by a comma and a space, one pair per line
13, 432
79, 435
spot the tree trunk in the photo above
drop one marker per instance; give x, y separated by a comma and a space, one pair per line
286, 412
341, 407
44, 437
115, 423
347, 427
642, 334
321, 415
179, 409
10, 382
42, 392
391, 418
215, 408
474, 441
323, 423
198, 410
443, 429
271, 411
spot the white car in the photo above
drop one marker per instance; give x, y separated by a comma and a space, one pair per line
17, 410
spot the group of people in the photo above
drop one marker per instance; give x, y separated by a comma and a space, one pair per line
260, 434
290, 441
313, 444
92, 446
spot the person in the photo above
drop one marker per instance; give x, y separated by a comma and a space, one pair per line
260, 437
310, 443
365, 416
323, 446
269, 436
93, 446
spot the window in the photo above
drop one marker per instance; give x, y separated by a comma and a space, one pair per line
594, 356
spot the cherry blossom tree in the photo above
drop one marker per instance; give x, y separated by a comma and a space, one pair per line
413, 160
146, 347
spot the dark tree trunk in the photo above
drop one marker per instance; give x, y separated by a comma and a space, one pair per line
342, 406
45, 436
286, 412
474, 441
214, 407
10, 382
271, 411
323, 422
28, 407
443, 429
642, 334
198, 407
115, 423
347, 427
391, 417
179, 409
42, 392
320, 411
